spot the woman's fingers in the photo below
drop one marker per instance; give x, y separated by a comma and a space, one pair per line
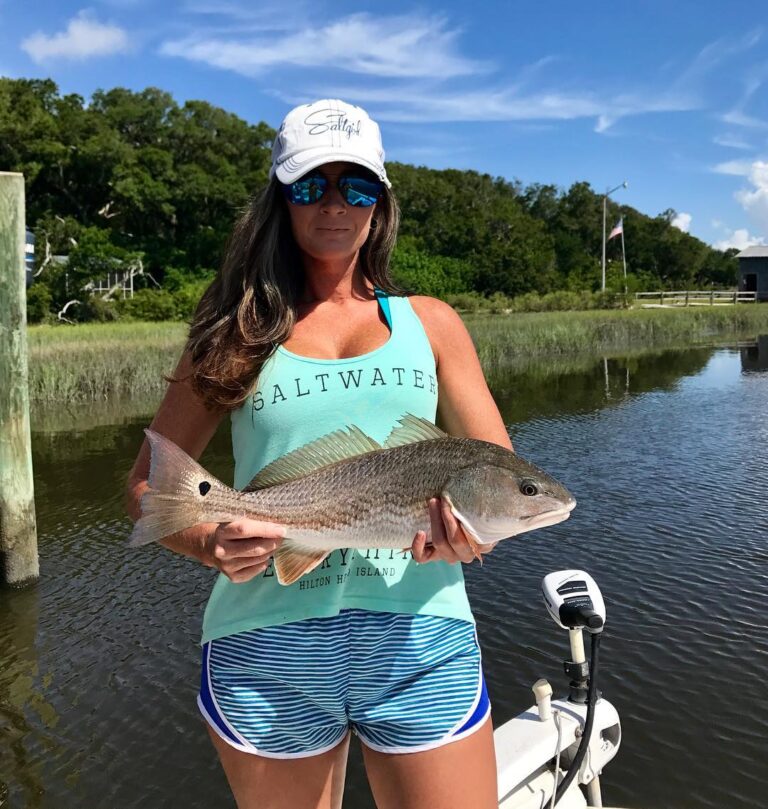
444, 540
242, 548
246, 529
244, 574
238, 548
454, 534
449, 542
420, 550
441, 547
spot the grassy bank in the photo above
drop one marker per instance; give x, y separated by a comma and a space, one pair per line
99, 361
527, 337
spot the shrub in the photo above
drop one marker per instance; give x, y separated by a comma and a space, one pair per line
149, 304
95, 308
467, 301
188, 296
39, 300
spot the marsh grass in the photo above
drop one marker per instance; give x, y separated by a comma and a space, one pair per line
110, 360
99, 361
526, 339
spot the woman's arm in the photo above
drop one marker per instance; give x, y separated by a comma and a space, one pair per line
240, 549
465, 408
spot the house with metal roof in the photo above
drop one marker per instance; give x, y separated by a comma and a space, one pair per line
753, 271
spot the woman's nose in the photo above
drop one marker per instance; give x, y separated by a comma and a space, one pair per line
333, 199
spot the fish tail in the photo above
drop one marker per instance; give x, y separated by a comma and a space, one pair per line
180, 494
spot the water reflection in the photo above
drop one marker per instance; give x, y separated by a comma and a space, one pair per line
586, 384
25, 714
755, 357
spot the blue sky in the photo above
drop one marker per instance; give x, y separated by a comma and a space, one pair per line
671, 97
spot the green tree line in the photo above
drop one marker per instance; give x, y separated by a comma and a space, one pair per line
131, 177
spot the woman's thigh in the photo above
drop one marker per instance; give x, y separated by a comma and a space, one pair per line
458, 775
258, 782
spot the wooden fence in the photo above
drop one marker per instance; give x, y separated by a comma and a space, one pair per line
694, 298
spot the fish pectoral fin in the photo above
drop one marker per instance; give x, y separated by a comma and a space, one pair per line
473, 538
474, 545
292, 562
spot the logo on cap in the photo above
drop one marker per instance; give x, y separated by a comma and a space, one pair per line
323, 120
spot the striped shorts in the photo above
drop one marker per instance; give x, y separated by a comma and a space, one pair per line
403, 683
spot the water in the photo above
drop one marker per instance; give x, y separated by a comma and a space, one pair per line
667, 455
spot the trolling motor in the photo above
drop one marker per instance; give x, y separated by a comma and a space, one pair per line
575, 603
581, 732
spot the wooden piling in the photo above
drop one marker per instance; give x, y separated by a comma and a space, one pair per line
18, 532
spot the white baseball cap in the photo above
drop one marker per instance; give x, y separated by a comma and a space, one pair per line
323, 132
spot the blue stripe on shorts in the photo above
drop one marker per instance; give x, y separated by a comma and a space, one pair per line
403, 683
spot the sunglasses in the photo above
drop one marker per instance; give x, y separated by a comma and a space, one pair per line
357, 190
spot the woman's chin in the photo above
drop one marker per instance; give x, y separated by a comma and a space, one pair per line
333, 248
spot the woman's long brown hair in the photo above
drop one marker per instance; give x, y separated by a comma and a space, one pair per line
250, 307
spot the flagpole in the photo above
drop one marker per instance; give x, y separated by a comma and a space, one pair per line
624, 256
607, 194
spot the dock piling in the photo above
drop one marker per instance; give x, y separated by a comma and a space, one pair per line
18, 532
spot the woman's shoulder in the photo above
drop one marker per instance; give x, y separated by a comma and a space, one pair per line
441, 322
435, 313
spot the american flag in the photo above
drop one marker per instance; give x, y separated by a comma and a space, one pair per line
618, 229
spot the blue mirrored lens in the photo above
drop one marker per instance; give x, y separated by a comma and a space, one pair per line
359, 191
306, 191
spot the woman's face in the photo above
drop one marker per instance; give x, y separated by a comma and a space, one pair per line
330, 228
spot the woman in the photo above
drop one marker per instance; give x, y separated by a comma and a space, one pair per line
298, 337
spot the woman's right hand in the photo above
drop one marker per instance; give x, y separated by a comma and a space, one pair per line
242, 549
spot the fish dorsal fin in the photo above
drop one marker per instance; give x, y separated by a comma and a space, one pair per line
337, 446
412, 429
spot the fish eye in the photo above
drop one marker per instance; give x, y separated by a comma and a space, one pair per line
204, 487
529, 488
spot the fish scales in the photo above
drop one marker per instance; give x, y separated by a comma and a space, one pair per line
374, 500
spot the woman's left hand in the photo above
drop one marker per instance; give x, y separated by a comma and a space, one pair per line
449, 542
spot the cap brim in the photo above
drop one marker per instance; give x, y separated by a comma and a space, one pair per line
291, 169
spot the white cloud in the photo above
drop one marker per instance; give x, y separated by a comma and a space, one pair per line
626, 105
419, 54
682, 221
731, 141
755, 200
418, 103
225, 17
422, 73
407, 46
740, 239
737, 116
83, 38
428, 102
739, 168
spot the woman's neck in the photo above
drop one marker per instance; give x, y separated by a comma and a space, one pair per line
333, 280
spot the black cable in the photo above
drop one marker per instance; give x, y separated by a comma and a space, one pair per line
591, 702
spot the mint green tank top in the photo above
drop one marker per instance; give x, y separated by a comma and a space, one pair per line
296, 400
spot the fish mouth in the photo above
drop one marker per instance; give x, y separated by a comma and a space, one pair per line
547, 518
522, 524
